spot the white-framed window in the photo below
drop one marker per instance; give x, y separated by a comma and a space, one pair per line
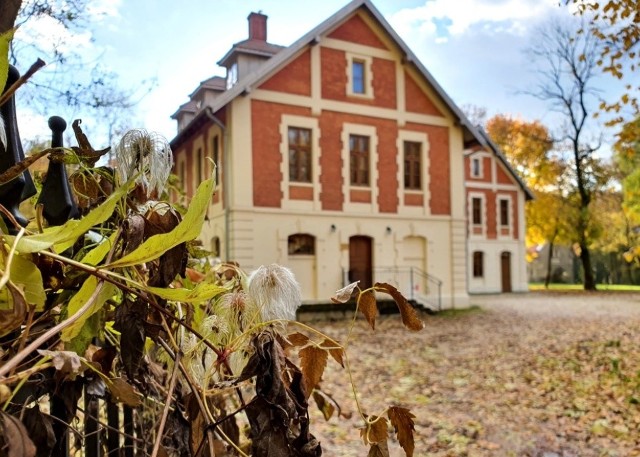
477, 213
199, 165
232, 75
216, 158
359, 76
359, 165
300, 165
476, 167
504, 215
413, 170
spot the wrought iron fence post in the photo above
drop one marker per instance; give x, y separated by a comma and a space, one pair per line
55, 197
22, 187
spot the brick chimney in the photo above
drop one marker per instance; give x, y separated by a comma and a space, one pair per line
257, 26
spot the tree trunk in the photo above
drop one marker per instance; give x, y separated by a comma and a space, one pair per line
547, 278
589, 279
8, 13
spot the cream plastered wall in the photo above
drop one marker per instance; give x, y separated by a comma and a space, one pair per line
491, 282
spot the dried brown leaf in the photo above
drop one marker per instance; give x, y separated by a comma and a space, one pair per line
402, 421
326, 407
368, 307
409, 315
375, 431
66, 362
336, 351
124, 392
313, 361
16, 438
344, 295
379, 450
298, 339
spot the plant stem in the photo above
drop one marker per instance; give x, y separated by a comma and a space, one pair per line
167, 405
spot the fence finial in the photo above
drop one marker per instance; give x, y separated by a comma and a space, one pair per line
56, 197
22, 187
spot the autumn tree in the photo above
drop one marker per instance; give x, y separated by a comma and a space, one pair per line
616, 25
71, 81
529, 148
568, 66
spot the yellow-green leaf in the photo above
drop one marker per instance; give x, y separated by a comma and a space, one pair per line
26, 275
187, 230
201, 292
95, 256
64, 236
5, 39
78, 301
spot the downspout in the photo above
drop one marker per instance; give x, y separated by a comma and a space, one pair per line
225, 179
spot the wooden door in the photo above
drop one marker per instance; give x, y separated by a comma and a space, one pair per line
360, 261
505, 267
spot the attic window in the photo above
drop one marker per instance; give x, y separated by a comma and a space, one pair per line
359, 76
476, 167
232, 75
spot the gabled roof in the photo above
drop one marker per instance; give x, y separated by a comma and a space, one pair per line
279, 60
214, 83
488, 143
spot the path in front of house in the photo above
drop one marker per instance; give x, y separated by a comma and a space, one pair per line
534, 374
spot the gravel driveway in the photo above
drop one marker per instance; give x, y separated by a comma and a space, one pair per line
537, 374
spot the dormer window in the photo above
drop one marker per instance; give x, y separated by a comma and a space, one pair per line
232, 75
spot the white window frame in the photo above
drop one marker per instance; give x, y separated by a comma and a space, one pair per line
312, 124
483, 212
499, 225
349, 129
416, 137
478, 160
368, 75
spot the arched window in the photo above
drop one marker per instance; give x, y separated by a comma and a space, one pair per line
301, 244
478, 264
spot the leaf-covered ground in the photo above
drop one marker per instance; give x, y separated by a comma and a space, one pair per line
521, 375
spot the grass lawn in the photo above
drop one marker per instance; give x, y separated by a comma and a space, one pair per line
573, 287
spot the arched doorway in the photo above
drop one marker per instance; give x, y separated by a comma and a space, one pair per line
360, 261
505, 268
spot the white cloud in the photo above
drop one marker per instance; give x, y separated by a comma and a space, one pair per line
445, 17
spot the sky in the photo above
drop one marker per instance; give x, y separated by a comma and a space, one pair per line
475, 49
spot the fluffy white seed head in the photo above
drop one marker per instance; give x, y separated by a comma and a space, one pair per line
146, 155
275, 292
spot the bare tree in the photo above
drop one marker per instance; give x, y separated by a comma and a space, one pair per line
567, 64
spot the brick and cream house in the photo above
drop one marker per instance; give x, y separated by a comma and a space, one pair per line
342, 158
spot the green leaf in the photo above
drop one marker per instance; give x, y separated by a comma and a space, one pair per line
95, 256
5, 39
202, 291
79, 299
26, 275
64, 236
187, 230
90, 329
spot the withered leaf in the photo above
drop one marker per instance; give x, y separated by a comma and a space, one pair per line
16, 438
298, 339
326, 407
129, 321
124, 392
336, 351
133, 228
379, 450
66, 362
313, 361
368, 307
409, 315
85, 151
40, 430
19, 168
375, 431
402, 421
344, 295
10, 319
